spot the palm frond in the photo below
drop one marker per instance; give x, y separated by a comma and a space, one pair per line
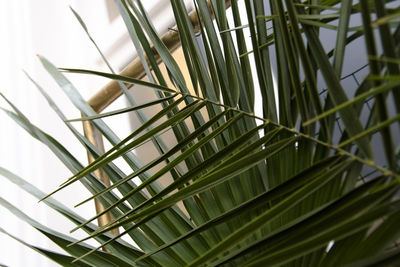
274, 188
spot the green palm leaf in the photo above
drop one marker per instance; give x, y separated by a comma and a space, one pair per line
246, 189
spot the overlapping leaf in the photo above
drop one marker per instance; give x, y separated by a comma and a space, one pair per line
257, 190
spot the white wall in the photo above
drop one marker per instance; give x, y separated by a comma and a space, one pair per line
48, 28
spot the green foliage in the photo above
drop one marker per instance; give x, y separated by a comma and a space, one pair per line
271, 189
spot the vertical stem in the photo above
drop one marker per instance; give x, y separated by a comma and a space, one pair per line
95, 137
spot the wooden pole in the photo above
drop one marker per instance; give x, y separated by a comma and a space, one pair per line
94, 136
